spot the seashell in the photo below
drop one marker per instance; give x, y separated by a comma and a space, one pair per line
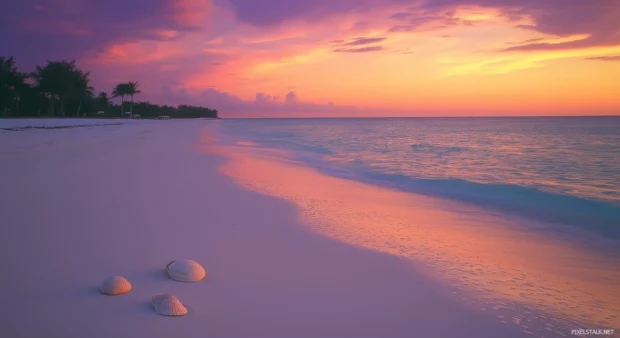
185, 270
115, 285
168, 305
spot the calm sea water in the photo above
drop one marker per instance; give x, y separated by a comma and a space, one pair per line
564, 170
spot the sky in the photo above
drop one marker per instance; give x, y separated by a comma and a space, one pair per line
300, 58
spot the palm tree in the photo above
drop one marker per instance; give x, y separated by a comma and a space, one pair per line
11, 80
50, 98
17, 99
103, 101
132, 89
42, 99
61, 79
83, 91
120, 90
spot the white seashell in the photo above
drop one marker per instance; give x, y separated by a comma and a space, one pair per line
168, 305
115, 285
185, 270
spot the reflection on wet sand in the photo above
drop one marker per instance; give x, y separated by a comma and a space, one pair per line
494, 261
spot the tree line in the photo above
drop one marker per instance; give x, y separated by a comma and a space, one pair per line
61, 89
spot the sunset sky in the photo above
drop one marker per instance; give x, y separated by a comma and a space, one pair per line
336, 57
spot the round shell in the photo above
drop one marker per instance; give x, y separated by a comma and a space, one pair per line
115, 285
185, 270
168, 305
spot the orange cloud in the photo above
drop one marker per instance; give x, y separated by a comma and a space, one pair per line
136, 53
191, 12
358, 58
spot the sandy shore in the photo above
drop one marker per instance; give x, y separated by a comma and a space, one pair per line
79, 205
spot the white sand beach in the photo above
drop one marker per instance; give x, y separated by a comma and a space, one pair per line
79, 205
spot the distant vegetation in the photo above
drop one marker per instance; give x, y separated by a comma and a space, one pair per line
60, 89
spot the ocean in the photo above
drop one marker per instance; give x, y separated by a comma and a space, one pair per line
564, 170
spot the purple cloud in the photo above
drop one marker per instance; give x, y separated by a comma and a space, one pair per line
597, 18
352, 46
262, 98
524, 42
359, 50
230, 105
402, 28
429, 20
274, 12
66, 29
38, 30
600, 19
363, 41
400, 15
605, 58
291, 98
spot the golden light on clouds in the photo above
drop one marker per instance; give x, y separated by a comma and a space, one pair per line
524, 60
448, 61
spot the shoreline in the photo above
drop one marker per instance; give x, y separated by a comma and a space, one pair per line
132, 199
61, 127
496, 257
5, 118
267, 275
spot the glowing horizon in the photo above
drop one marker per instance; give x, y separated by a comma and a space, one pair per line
339, 57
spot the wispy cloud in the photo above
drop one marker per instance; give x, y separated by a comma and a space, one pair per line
507, 62
525, 42
400, 15
248, 46
359, 50
605, 58
364, 41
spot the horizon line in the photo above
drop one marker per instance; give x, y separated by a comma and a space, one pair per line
417, 117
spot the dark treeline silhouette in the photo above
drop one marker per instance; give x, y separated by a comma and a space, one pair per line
60, 89
149, 110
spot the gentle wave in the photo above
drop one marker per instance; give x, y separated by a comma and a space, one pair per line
440, 150
600, 217
560, 171
491, 260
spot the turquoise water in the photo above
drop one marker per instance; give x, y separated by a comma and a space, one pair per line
562, 170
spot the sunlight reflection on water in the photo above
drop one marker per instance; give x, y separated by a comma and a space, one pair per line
571, 156
490, 261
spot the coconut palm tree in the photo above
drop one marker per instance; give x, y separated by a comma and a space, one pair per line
132, 89
120, 90
103, 101
11, 80
83, 91
17, 99
61, 79
42, 100
49, 99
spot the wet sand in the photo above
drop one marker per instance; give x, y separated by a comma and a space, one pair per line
82, 204
522, 272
